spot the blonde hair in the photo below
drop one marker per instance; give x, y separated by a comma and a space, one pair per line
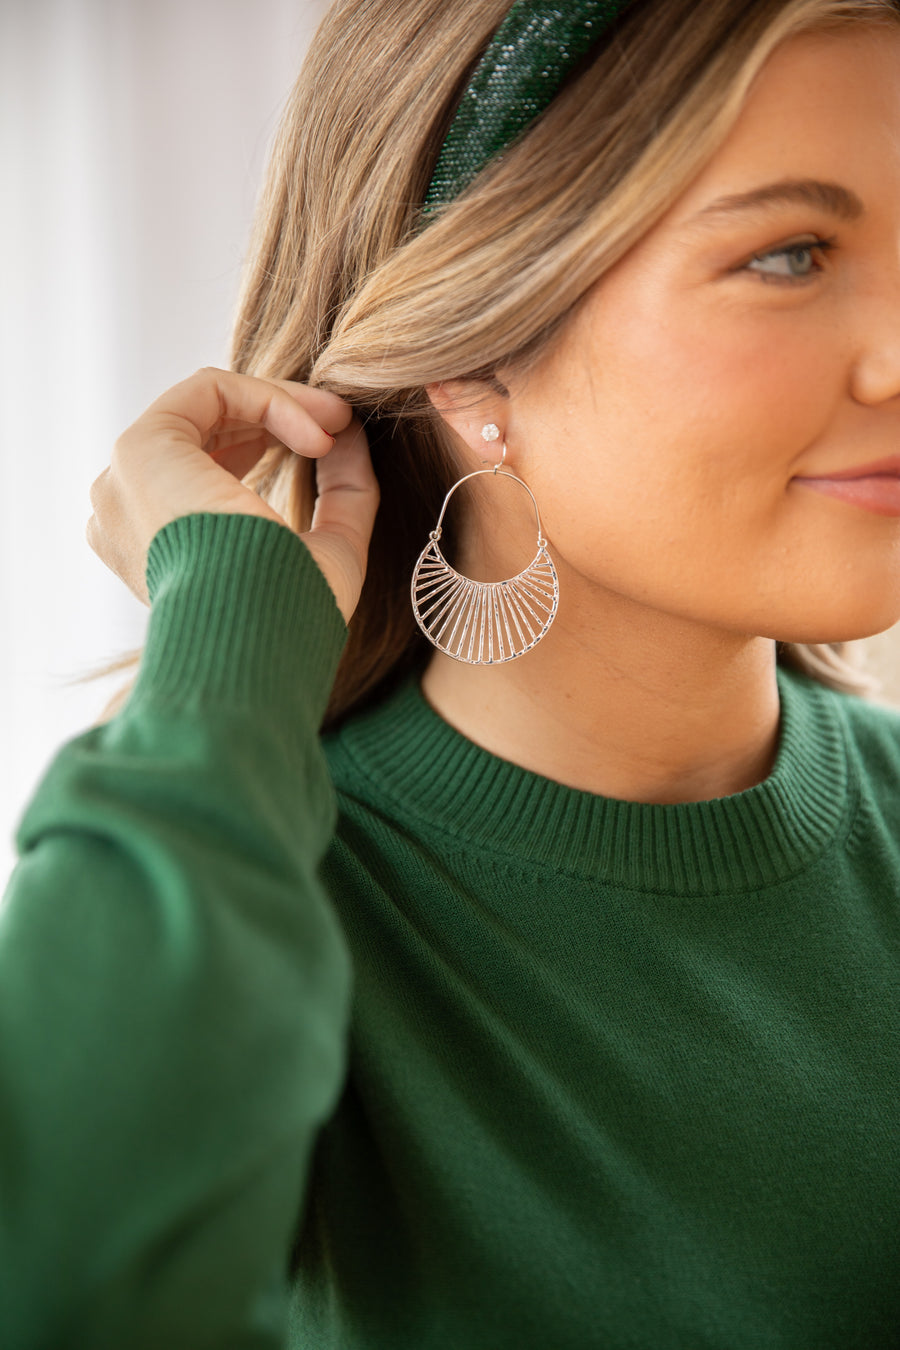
344, 289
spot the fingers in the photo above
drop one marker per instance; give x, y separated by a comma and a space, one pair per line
344, 515
191, 449
329, 411
213, 400
347, 489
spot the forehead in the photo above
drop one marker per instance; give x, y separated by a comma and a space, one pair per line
826, 105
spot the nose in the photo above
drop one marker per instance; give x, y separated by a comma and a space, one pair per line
876, 371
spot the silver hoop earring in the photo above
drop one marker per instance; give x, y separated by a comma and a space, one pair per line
484, 622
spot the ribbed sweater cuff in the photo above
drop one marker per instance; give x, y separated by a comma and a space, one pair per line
240, 616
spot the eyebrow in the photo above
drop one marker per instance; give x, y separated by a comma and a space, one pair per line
831, 197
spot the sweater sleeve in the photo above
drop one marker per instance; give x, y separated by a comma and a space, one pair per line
174, 983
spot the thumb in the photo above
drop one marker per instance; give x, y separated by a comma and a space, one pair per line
344, 515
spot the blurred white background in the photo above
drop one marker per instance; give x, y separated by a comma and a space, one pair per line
134, 136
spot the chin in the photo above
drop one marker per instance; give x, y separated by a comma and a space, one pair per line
865, 623
831, 604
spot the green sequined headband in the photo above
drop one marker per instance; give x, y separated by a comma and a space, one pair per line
522, 70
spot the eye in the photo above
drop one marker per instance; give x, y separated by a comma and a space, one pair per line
801, 254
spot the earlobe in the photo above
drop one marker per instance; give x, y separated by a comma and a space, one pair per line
466, 406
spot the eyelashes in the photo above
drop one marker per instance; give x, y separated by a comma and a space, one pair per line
809, 246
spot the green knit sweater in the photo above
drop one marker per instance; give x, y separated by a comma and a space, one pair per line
382, 1042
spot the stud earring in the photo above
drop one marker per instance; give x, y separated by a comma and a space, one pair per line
484, 622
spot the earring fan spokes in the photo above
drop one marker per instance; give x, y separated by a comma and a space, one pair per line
484, 622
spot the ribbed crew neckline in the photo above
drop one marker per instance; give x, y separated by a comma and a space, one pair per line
765, 834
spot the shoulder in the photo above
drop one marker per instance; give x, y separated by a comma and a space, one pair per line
872, 736
873, 732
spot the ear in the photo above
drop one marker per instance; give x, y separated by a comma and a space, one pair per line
466, 406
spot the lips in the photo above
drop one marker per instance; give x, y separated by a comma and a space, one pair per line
878, 492
881, 468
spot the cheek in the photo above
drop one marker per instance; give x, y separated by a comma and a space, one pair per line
717, 373
675, 444
672, 397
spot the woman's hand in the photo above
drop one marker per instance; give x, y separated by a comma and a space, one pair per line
190, 449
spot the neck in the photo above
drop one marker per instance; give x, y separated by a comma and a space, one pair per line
623, 702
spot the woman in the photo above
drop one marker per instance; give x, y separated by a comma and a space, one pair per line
549, 997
